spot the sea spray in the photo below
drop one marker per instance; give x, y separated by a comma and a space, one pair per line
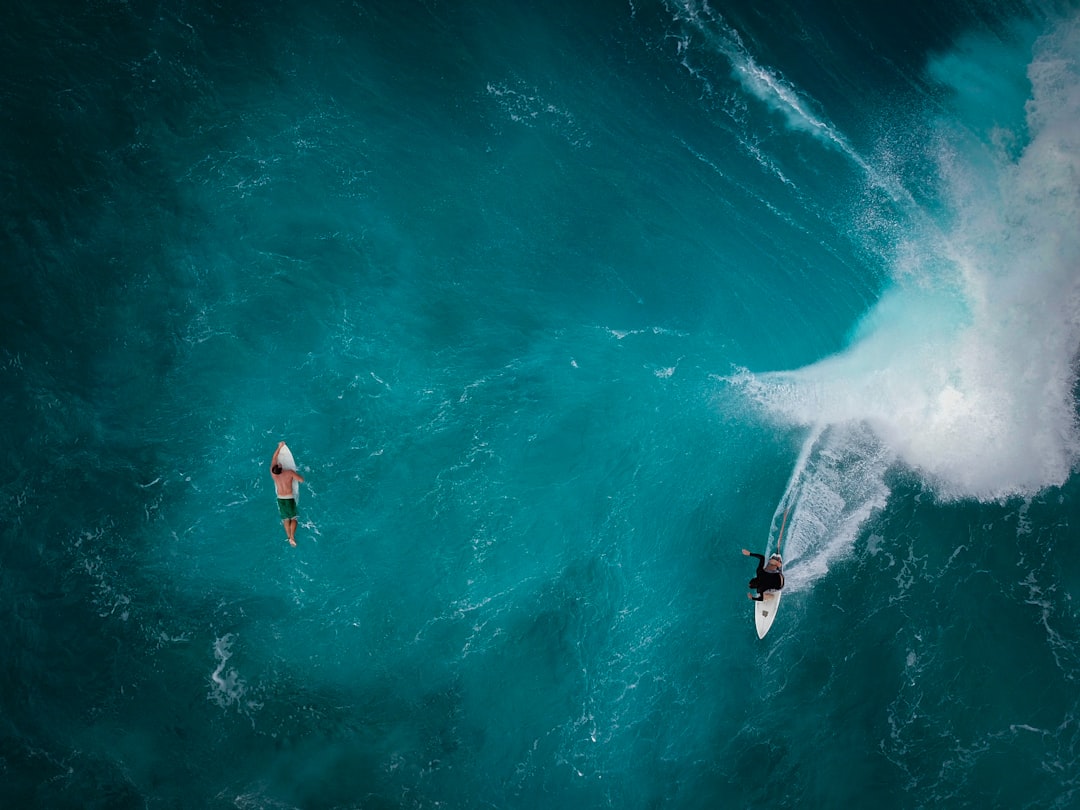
964, 371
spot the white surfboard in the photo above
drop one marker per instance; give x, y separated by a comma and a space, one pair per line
287, 462
765, 612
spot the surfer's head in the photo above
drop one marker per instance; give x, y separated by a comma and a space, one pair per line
276, 469
776, 560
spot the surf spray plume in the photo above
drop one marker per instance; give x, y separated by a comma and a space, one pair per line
965, 370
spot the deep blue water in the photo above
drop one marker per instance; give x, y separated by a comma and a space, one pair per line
559, 306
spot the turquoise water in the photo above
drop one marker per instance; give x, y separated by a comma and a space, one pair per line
559, 306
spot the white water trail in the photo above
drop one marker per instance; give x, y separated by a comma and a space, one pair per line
837, 483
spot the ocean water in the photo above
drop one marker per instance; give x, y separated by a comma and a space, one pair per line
559, 305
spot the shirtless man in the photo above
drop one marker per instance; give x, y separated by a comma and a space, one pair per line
283, 483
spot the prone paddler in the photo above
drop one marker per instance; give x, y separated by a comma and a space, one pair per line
283, 485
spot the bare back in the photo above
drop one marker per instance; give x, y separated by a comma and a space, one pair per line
283, 482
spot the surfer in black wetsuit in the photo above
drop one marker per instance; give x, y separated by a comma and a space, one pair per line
767, 577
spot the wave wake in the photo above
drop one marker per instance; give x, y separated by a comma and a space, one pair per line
774, 91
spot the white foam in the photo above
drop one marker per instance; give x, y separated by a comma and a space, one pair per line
837, 482
965, 370
524, 105
226, 685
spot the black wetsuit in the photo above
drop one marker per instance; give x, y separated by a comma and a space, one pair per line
765, 580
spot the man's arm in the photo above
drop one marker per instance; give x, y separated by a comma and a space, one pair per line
273, 460
297, 476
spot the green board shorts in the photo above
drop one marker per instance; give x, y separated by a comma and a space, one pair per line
287, 508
